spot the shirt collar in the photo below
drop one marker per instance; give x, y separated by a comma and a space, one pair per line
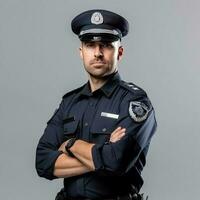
107, 88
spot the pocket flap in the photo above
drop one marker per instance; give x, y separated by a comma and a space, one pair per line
103, 125
70, 125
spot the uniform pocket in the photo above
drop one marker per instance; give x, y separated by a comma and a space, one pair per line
70, 127
102, 128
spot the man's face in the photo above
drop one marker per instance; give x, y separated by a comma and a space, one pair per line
100, 58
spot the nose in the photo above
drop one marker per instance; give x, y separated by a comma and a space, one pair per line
98, 52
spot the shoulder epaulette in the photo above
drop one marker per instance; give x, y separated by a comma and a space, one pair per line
133, 88
73, 91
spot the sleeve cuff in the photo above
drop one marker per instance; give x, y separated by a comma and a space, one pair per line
97, 158
49, 174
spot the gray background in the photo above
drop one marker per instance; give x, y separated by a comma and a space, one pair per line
39, 62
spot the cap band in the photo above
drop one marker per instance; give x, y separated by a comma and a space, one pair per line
100, 31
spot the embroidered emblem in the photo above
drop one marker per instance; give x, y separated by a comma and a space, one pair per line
97, 18
138, 111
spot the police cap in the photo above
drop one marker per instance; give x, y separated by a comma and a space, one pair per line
99, 25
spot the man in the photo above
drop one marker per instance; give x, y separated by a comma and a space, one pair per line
98, 138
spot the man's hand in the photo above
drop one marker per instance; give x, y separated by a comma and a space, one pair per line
117, 134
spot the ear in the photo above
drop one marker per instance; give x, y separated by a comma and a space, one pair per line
81, 52
120, 53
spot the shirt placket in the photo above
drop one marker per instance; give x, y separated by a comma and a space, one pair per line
86, 123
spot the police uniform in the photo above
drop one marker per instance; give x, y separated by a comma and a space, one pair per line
93, 116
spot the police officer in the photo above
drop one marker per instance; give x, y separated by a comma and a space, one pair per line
98, 138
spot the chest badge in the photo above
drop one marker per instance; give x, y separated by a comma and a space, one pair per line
138, 111
109, 115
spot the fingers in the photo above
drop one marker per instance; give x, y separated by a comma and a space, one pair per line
117, 134
62, 147
117, 129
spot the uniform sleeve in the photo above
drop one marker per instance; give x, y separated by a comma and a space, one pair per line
121, 156
47, 149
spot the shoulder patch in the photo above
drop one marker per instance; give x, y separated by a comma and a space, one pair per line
73, 91
138, 111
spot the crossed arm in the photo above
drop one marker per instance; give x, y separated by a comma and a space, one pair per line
82, 162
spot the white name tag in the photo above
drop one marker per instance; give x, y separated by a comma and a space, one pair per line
109, 115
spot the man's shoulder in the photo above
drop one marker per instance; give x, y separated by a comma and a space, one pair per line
133, 89
137, 100
72, 92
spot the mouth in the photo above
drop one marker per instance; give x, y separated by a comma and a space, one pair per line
98, 63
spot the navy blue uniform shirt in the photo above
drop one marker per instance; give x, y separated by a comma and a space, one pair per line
92, 117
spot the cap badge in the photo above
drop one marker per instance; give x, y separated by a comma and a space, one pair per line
96, 39
97, 18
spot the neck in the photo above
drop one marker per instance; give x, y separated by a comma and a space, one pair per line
95, 83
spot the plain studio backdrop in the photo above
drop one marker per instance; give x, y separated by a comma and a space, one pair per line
39, 62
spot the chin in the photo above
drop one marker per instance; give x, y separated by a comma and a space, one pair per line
100, 75
97, 75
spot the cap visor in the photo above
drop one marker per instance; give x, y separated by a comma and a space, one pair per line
98, 37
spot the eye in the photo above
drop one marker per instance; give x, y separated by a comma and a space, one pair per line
89, 44
107, 45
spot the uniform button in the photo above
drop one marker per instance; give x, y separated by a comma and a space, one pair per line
91, 104
86, 124
104, 129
